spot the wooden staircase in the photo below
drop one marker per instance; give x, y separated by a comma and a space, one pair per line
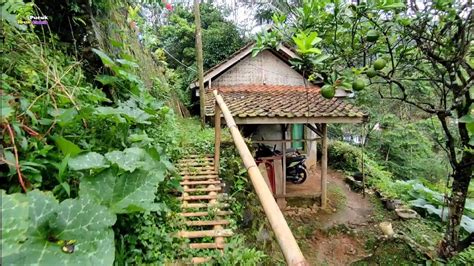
203, 205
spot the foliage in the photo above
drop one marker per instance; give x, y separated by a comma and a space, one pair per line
463, 258
88, 151
407, 58
348, 158
39, 230
220, 37
405, 150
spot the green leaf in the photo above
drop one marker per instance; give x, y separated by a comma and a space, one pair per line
66, 146
127, 63
105, 58
14, 222
128, 160
81, 221
469, 118
5, 109
128, 191
90, 160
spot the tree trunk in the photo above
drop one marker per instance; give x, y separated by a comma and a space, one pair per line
462, 177
199, 61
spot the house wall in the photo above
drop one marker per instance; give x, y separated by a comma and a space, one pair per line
265, 68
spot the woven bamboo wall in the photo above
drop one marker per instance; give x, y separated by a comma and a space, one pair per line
265, 68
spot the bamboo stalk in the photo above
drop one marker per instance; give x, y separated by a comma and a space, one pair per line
283, 234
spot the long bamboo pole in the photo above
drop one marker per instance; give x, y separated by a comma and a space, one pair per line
217, 135
285, 238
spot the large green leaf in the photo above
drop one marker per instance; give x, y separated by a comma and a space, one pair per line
129, 159
126, 192
50, 225
90, 160
66, 146
14, 222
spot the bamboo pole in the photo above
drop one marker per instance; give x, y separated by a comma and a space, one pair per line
283, 234
324, 165
217, 141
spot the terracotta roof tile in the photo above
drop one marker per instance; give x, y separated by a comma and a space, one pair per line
280, 101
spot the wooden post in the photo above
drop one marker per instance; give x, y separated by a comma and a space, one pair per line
217, 136
284, 160
324, 165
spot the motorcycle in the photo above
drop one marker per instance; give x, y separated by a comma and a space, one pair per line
296, 171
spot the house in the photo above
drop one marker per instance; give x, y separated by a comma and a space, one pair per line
274, 104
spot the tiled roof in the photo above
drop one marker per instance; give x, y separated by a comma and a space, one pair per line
247, 101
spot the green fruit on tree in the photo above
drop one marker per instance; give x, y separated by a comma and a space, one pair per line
358, 84
372, 36
371, 72
379, 64
328, 91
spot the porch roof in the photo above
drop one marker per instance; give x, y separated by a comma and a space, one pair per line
276, 104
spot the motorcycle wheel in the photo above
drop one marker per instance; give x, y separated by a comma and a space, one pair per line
301, 175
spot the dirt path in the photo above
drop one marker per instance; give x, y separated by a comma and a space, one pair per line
354, 210
333, 236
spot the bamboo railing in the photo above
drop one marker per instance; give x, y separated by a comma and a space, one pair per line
283, 234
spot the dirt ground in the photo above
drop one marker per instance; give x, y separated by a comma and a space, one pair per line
333, 236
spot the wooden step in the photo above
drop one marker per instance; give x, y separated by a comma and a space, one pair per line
195, 163
206, 233
208, 189
194, 183
204, 205
193, 170
204, 213
203, 197
207, 245
207, 223
198, 173
200, 177
199, 260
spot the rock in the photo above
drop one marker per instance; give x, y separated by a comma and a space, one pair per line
406, 213
386, 228
392, 204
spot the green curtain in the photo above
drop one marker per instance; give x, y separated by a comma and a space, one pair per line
297, 133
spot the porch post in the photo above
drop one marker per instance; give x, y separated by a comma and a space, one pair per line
324, 165
217, 137
281, 201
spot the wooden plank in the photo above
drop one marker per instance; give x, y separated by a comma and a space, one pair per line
205, 213
199, 260
200, 177
207, 223
206, 233
194, 183
203, 189
204, 205
198, 173
206, 246
324, 165
201, 197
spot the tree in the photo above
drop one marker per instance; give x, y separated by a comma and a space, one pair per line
220, 38
202, 100
420, 55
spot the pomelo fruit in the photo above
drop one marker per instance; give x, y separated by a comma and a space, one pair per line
358, 84
328, 91
379, 64
371, 72
372, 36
